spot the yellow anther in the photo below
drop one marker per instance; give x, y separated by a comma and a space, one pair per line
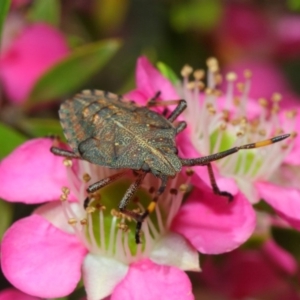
115, 213
123, 227
236, 101
199, 74
294, 134
240, 133
291, 114
186, 71
90, 209
263, 102
67, 162
65, 190
231, 76
208, 91
191, 85
279, 131
240, 86
83, 221
262, 132
218, 78
189, 172
183, 188
276, 97
247, 74
223, 126
72, 221
63, 197
212, 64
86, 177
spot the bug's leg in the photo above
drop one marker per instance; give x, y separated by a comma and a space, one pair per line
100, 184
150, 208
64, 153
205, 160
214, 185
180, 126
156, 96
125, 200
178, 110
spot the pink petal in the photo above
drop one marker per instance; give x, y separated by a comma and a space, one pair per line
284, 200
149, 82
266, 77
101, 274
212, 224
32, 174
288, 35
41, 260
280, 257
147, 280
13, 294
34, 51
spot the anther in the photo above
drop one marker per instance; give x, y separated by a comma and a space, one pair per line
240, 133
212, 64
123, 227
186, 71
291, 114
65, 190
240, 86
263, 102
67, 162
199, 74
247, 74
90, 209
83, 221
115, 213
184, 187
262, 132
189, 172
191, 85
63, 197
294, 134
86, 177
276, 97
208, 91
72, 221
231, 76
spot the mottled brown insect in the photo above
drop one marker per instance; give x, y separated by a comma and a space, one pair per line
103, 129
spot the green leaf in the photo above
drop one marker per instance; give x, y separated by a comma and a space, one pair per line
36, 127
47, 11
9, 140
4, 7
293, 5
6, 216
70, 73
166, 71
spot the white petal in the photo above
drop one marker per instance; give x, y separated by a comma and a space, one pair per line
101, 274
247, 188
53, 212
174, 250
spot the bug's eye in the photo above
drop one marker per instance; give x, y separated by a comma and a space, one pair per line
175, 150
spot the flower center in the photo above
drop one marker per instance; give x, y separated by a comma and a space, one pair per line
101, 227
219, 122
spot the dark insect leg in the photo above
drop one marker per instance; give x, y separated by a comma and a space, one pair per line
214, 184
178, 110
180, 127
205, 160
156, 96
63, 152
100, 184
150, 208
125, 200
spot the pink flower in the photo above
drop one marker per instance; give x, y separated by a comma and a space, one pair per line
264, 273
247, 30
216, 123
37, 48
13, 294
46, 254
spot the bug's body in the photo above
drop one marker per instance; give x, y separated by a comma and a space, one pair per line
106, 131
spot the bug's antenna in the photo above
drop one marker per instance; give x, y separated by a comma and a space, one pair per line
205, 160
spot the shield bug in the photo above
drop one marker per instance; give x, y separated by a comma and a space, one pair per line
107, 130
